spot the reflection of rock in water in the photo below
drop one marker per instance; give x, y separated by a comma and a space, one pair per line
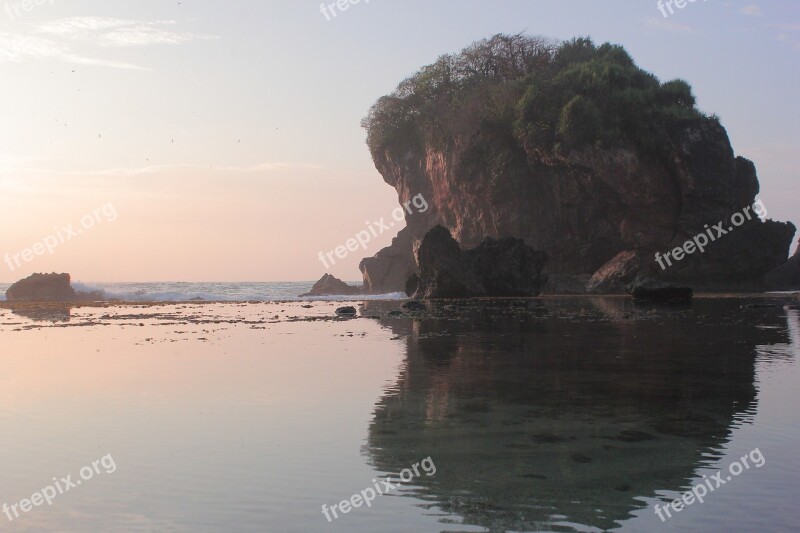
789, 350
564, 411
793, 320
43, 312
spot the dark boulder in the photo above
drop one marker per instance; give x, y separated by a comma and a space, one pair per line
443, 269
503, 267
42, 288
414, 305
347, 311
329, 285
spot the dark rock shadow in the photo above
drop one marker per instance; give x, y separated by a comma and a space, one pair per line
41, 312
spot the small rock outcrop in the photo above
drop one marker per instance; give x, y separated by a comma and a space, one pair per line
49, 288
42, 288
346, 311
503, 267
329, 285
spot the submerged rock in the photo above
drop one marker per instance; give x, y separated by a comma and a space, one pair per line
504, 267
761, 306
414, 305
658, 291
329, 285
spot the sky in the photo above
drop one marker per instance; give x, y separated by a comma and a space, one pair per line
199, 140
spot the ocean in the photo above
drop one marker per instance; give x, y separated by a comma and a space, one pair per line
269, 291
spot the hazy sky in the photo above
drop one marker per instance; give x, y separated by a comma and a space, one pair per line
226, 137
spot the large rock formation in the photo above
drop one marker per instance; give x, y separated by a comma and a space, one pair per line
578, 152
42, 288
505, 267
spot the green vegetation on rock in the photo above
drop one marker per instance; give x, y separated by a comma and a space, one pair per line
547, 97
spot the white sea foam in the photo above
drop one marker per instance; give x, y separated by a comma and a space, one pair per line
217, 292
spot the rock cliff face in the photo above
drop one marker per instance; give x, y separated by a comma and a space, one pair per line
587, 207
582, 203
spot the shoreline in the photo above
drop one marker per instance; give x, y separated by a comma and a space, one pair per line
6, 304
262, 313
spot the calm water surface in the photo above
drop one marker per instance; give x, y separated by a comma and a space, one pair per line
540, 415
